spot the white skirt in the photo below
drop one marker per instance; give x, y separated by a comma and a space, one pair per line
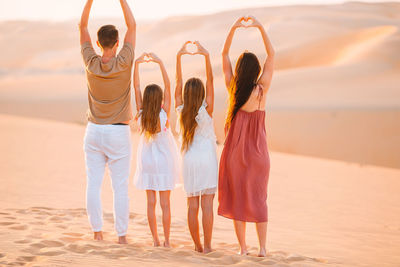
200, 167
158, 163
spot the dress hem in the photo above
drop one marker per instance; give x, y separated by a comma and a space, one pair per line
157, 190
232, 218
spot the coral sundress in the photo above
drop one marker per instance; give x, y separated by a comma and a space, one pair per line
244, 169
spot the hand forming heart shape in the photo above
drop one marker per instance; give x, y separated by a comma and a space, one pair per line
247, 21
191, 48
147, 58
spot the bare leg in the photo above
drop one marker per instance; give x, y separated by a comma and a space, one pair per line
262, 238
193, 222
151, 215
166, 214
240, 229
208, 220
98, 236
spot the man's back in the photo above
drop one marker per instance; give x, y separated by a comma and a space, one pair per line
109, 85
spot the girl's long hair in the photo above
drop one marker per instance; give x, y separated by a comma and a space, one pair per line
193, 97
150, 117
243, 82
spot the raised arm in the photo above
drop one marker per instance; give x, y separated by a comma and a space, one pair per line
268, 69
179, 83
226, 62
83, 25
130, 36
210, 78
167, 84
136, 82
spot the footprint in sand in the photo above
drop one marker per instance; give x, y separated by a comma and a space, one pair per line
52, 243
24, 241
7, 223
19, 227
80, 249
21, 211
4, 213
293, 258
83, 249
16, 263
26, 258
37, 245
229, 260
120, 254
2, 255
56, 219
215, 254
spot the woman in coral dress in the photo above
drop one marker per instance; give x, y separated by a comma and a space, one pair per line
244, 164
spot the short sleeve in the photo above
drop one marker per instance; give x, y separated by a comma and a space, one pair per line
88, 52
126, 55
202, 114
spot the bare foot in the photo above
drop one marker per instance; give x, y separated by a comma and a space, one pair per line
166, 244
199, 249
98, 236
122, 240
262, 253
207, 250
243, 252
156, 243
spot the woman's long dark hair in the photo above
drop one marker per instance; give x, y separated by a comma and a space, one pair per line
243, 82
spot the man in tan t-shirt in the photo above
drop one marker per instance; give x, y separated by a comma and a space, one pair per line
107, 139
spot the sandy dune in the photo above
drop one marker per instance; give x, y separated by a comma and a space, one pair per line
338, 68
322, 212
335, 94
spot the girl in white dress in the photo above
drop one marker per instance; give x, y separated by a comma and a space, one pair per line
200, 164
157, 156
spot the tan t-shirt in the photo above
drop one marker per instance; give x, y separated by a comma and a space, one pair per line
109, 85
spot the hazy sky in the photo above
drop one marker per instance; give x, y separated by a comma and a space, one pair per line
143, 9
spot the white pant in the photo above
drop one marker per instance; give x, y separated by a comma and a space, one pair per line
108, 144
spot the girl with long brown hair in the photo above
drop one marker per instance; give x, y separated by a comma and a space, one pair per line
200, 164
157, 156
244, 164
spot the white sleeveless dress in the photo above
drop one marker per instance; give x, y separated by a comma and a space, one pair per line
158, 161
199, 162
